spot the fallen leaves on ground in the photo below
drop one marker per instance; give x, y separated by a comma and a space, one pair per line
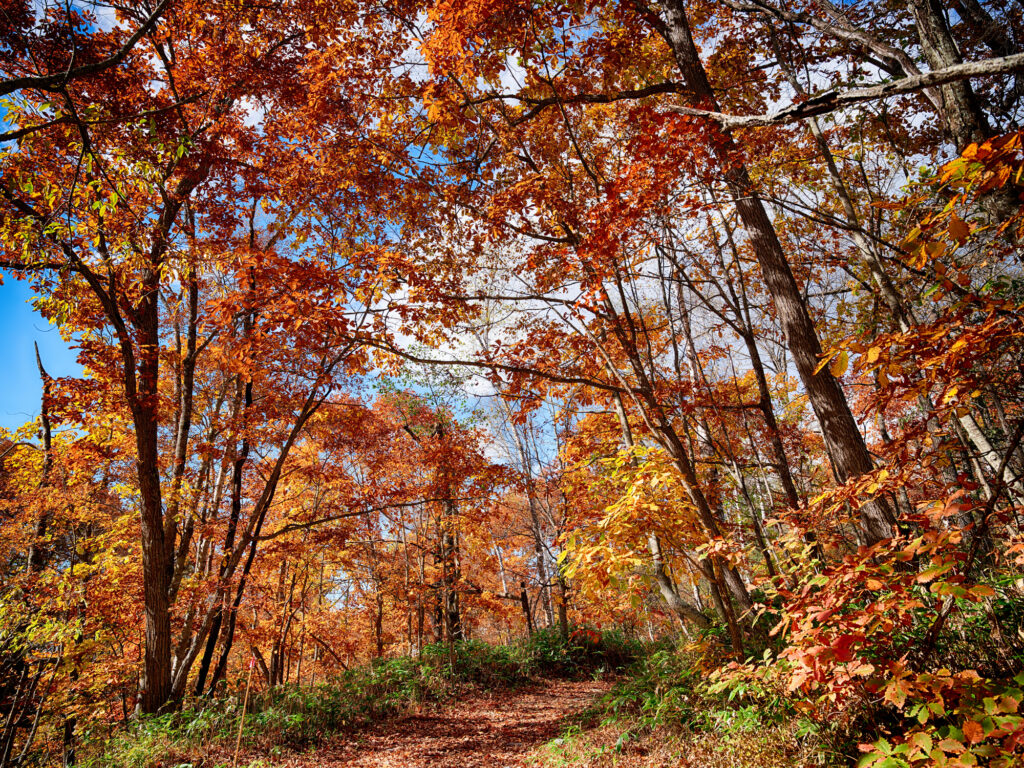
492, 730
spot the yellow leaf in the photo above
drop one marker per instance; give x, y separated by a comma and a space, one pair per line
839, 364
874, 353
911, 239
922, 741
825, 358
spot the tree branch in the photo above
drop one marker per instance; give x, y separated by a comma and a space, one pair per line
60, 79
830, 101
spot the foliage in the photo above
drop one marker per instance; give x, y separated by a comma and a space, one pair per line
669, 705
674, 687
403, 324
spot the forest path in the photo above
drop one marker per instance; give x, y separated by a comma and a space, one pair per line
495, 730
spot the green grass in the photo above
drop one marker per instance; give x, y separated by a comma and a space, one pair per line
668, 704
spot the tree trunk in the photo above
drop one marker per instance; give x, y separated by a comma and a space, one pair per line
524, 600
157, 551
843, 439
964, 119
237, 471
680, 607
563, 615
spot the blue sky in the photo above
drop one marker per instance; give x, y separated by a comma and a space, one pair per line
20, 387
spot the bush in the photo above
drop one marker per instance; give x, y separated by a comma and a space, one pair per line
671, 707
673, 687
586, 651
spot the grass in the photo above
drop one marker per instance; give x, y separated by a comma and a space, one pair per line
667, 710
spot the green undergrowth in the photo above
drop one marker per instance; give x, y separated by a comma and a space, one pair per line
668, 706
292, 717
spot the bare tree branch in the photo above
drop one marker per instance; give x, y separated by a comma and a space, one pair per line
830, 101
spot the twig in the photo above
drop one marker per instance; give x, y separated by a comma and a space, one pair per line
245, 704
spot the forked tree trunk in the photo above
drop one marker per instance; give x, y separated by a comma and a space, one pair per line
964, 119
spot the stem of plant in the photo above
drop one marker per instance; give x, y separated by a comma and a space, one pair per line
245, 705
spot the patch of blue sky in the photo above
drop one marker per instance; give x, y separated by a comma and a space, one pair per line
23, 327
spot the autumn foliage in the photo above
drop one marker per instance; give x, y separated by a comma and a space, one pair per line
406, 326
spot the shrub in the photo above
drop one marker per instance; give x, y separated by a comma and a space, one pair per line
676, 688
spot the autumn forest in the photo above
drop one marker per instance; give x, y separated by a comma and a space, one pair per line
515, 382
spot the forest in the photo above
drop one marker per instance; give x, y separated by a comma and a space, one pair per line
515, 383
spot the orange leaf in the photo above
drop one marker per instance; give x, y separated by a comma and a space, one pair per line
958, 230
973, 731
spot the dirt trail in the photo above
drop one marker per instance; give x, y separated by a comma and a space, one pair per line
487, 731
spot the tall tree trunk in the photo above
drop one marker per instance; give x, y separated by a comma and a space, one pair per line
378, 600
452, 608
843, 438
563, 614
378, 624
157, 550
524, 601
